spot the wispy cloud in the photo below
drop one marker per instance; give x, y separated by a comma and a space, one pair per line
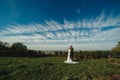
102, 28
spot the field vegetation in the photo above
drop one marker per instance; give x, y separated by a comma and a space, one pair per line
54, 68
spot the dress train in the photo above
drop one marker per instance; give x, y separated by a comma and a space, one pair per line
69, 60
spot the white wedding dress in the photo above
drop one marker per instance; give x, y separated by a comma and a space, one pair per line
69, 60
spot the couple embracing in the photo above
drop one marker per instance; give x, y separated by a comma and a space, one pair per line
70, 56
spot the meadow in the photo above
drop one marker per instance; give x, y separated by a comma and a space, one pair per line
54, 68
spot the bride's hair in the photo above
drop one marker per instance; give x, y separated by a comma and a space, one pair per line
70, 47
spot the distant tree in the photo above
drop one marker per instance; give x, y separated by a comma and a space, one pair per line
4, 49
118, 45
56, 53
3, 45
19, 48
6, 44
116, 50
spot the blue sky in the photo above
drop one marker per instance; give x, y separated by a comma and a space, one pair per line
57, 24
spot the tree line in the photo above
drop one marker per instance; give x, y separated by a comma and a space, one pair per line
20, 50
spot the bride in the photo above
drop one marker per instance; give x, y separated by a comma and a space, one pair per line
69, 60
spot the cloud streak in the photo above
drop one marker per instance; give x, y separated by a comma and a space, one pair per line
100, 29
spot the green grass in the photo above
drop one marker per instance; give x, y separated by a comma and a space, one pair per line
54, 68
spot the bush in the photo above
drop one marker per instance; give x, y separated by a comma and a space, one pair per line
91, 54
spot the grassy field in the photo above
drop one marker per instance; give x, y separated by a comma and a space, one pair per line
54, 68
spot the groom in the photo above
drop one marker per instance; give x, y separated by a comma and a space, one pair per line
71, 54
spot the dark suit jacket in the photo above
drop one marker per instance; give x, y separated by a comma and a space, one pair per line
71, 54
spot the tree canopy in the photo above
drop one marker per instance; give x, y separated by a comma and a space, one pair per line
18, 46
117, 48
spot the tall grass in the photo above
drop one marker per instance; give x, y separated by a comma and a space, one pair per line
54, 68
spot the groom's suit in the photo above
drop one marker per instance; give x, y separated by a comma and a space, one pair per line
71, 54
